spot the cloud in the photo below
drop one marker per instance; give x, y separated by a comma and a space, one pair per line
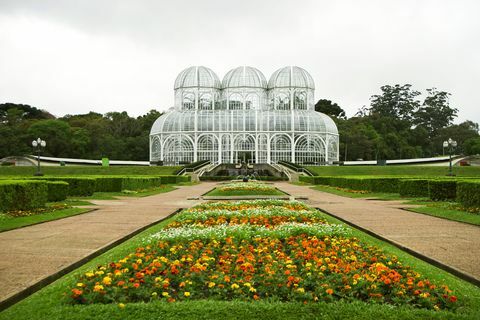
77, 56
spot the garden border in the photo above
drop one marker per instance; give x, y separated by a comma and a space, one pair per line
454, 271
17, 297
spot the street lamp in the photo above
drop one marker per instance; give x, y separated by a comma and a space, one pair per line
38, 145
451, 145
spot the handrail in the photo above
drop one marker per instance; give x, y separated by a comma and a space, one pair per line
295, 168
193, 169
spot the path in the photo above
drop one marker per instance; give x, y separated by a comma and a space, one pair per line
29, 255
454, 244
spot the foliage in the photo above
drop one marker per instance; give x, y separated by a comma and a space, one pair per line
400, 170
22, 195
468, 193
413, 187
330, 108
442, 189
57, 190
91, 170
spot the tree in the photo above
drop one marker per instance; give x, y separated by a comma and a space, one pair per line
330, 109
26, 111
395, 102
435, 113
472, 146
56, 133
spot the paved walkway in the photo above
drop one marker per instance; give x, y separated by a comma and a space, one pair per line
29, 255
454, 244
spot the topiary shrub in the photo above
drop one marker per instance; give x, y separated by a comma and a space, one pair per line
57, 190
22, 194
307, 179
468, 193
413, 187
442, 189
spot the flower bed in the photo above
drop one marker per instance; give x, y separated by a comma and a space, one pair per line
198, 258
245, 189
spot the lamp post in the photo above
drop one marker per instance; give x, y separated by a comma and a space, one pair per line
451, 145
38, 145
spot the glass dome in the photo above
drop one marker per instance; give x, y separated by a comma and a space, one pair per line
291, 77
197, 77
244, 77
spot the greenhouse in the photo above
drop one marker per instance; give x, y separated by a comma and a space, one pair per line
244, 119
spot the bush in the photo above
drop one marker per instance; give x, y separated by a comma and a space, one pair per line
76, 186
227, 178
442, 189
108, 184
468, 193
184, 179
413, 187
22, 194
139, 183
57, 190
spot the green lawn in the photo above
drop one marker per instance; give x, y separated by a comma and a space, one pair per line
8, 223
50, 302
139, 193
439, 209
90, 170
410, 170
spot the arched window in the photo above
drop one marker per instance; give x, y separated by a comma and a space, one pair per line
300, 101
188, 101
333, 150
309, 149
282, 101
177, 150
252, 101
235, 102
205, 102
207, 148
280, 148
156, 146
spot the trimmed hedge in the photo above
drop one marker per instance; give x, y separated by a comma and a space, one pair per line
57, 190
442, 189
413, 187
227, 178
76, 186
108, 184
468, 193
22, 195
373, 184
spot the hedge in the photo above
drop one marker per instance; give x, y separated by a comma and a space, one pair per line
442, 189
227, 178
57, 190
413, 187
373, 184
468, 193
22, 195
77, 186
108, 184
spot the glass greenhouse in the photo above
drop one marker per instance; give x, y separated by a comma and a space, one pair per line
244, 118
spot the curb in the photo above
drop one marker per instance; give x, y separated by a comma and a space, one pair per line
17, 297
454, 271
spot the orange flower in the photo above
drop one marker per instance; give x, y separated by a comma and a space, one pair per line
329, 291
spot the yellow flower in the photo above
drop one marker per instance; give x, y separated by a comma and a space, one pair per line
186, 294
98, 288
234, 286
107, 281
252, 289
154, 294
80, 284
121, 305
247, 284
301, 290
211, 284
139, 261
89, 274
165, 294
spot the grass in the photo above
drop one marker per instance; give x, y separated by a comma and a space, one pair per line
215, 192
438, 209
49, 303
8, 222
90, 170
126, 193
393, 170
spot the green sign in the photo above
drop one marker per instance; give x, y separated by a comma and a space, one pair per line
105, 162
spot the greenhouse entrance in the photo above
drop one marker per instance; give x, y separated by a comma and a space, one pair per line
244, 157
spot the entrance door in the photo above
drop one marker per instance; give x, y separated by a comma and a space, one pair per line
244, 157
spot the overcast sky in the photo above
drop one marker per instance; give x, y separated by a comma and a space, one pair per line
71, 57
